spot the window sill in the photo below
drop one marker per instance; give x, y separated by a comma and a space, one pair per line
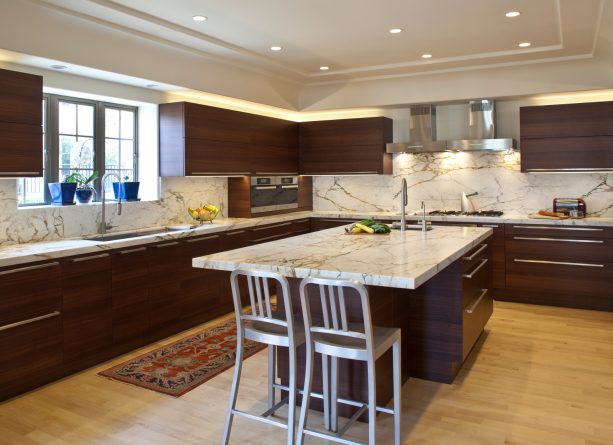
94, 204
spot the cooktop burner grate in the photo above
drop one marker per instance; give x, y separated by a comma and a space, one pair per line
490, 213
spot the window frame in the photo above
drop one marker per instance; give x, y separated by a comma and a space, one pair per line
52, 140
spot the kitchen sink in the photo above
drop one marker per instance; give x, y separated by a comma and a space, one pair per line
119, 236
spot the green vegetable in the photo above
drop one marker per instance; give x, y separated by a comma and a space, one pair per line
367, 222
380, 228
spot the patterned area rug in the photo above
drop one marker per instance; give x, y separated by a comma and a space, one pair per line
185, 364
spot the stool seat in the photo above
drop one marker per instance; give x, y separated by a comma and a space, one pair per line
273, 334
353, 348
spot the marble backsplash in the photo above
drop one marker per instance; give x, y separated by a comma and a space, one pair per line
28, 224
440, 178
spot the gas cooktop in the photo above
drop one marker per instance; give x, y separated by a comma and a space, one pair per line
491, 213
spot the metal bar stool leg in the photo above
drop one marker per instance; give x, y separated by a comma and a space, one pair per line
372, 402
291, 409
397, 388
234, 390
325, 376
334, 394
272, 374
306, 395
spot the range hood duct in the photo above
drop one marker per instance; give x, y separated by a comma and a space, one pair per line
481, 132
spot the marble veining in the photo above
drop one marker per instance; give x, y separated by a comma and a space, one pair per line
399, 259
439, 179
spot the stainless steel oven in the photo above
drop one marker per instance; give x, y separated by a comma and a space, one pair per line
272, 193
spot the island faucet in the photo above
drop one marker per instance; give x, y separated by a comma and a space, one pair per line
423, 217
403, 204
103, 227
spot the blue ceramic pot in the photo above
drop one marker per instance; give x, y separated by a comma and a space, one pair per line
84, 196
128, 191
62, 193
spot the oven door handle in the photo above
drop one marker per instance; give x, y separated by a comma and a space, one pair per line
265, 187
289, 186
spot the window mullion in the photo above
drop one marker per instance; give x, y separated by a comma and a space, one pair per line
99, 144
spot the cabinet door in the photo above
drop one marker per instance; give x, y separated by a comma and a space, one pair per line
230, 241
130, 298
165, 272
216, 124
571, 153
21, 150
21, 98
209, 157
274, 144
568, 120
345, 146
30, 327
201, 299
87, 310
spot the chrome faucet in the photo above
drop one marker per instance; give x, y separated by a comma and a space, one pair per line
403, 204
103, 227
423, 217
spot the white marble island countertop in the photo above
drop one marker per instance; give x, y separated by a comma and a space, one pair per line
399, 259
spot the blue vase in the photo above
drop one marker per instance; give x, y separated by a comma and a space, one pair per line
62, 193
128, 191
84, 196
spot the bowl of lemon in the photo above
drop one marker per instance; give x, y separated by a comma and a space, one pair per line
204, 213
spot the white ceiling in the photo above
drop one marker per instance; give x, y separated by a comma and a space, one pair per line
351, 36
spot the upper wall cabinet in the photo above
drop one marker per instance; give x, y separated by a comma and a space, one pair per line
345, 146
21, 146
570, 137
198, 140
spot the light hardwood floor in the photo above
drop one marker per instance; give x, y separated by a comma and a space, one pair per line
538, 375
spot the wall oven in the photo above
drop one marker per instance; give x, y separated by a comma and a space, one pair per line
273, 193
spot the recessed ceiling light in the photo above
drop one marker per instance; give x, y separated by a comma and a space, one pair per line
198, 18
275, 48
395, 30
324, 68
512, 14
59, 67
426, 56
524, 44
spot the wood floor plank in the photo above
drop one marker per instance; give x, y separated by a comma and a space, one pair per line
538, 376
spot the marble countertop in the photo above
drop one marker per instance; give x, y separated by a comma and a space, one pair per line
399, 259
17, 254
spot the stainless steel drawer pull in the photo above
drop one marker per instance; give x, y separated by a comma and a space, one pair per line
139, 249
559, 240
29, 320
472, 274
174, 243
491, 226
259, 240
470, 309
28, 268
206, 238
88, 258
272, 227
585, 229
560, 263
237, 232
476, 254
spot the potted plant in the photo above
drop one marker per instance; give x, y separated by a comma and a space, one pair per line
126, 190
85, 187
62, 193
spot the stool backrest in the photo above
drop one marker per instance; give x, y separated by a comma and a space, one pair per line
333, 303
259, 292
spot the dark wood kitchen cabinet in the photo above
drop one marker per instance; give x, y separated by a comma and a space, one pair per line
165, 273
21, 143
87, 310
559, 266
567, 137
30, 327
199, 140
130, 290
345, 146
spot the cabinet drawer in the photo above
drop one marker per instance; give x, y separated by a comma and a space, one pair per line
270, 232
474, 318
29, 291
472, 259
567, 277
301, 226
234, 240
31, 354
556, 248
558, 231
196, 247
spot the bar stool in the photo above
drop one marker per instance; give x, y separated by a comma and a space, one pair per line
260, 326
334, 337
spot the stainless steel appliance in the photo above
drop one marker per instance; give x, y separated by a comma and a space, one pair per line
572, 206
272, 193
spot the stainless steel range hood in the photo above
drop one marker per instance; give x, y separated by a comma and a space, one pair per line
481, 132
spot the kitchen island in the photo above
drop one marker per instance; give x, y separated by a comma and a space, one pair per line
435, 286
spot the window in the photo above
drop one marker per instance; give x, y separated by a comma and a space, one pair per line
83, 136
